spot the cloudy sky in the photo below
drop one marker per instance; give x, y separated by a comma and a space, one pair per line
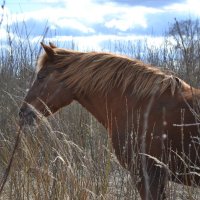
90, 23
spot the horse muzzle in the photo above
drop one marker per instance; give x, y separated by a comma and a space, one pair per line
27, 116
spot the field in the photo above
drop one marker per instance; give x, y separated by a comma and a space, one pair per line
70, 155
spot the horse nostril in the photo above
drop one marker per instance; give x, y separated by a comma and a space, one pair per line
22, 112
27, 116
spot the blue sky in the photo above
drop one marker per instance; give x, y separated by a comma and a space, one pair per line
92, 22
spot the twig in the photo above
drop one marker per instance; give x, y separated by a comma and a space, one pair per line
185, 125
143, 145
7, 171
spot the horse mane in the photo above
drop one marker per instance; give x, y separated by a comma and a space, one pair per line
101, 72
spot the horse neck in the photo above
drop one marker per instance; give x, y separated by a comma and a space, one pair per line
106, 109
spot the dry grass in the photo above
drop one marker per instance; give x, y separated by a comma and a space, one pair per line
70, 156
70, 161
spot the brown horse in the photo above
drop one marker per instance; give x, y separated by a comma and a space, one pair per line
149, 114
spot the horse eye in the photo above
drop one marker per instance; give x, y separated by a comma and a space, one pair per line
40, 76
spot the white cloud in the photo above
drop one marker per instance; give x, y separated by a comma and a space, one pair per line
113, 15
189, 7
131, 17
83, 15
194, 6
74, 24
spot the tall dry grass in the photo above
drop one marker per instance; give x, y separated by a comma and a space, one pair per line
70, 155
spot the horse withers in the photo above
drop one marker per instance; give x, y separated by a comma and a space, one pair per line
146, 112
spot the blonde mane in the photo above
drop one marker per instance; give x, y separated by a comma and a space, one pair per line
101, 72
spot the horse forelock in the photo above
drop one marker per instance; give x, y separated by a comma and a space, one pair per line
101, 72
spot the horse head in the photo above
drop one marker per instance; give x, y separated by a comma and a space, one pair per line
47, 93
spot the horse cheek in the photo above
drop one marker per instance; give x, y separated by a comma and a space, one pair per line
60, 99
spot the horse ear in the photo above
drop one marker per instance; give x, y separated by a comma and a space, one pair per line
52, 45
49, 50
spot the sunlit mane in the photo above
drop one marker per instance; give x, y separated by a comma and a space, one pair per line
101, 72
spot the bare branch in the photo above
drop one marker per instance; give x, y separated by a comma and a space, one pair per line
2, 14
